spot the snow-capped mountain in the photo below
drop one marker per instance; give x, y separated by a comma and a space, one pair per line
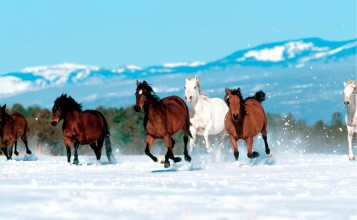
296, 74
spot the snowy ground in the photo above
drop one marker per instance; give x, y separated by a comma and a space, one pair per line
287, 186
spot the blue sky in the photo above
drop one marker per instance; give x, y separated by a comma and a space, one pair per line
112, 33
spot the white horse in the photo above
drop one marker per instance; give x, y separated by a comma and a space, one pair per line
351, 116
206, 114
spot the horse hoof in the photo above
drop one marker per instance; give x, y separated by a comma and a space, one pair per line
167, 164
29, 152
253, 155
177, 159
16, 153
76, 162
352, 158
270, 154
188, 158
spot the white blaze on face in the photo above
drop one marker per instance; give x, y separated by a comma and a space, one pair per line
348, 92
140, 92
189, 89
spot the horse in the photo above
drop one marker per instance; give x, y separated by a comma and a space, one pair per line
81, 127
11, 128
163, 118
206, 114
245, 119
350, 103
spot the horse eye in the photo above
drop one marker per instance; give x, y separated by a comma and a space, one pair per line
185, 87
194, 87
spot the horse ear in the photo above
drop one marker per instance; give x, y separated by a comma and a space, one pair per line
344, 84
196, 78
137, 83
228, 91
4, 107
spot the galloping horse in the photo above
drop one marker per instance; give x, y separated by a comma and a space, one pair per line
11, 128
245, 119
206, 114
163, 118
81, 127
350, 94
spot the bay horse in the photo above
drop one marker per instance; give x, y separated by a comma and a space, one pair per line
163, 118
206, 114
245, 119
81, 127
350, 93
11, 128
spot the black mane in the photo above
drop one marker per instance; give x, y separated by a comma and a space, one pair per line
151, 93
67, 103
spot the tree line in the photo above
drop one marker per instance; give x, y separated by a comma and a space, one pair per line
285, 133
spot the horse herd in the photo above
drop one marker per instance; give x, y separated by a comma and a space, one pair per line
238, 117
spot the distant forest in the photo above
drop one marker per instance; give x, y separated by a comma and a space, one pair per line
285, 133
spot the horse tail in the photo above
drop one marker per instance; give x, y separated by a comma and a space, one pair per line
259, 96
108, 144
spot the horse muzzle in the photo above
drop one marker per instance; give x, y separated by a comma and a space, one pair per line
54, 123
137, 108
235, 117
346, 103
188, 98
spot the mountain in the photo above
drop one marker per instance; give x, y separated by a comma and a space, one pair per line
301, 76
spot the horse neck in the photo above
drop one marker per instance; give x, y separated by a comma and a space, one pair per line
351, 111
70, 115
152, 106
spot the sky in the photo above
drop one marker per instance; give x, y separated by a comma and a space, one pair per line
113, 33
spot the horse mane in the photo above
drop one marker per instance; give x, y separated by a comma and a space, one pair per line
67, 103
151, 93
5, 115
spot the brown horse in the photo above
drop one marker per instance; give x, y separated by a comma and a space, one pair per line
81, 127
163, 118
11, 128
245, 119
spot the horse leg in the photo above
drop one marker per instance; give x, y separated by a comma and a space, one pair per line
350, 136
68, 143
9, 146
16, 152
24, 139
100, 143
169, 154
4, 150
149, 141
192, 138
75, 160
185, 153
176, 159
95, 149
251, 154
222, 135
235, 147
205, 135
265, 138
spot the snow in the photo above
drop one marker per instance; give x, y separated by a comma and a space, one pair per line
7, 85
286, 186
274, 54
180, 64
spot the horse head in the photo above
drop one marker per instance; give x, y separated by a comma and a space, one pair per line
2, 112
143, 91
61, 106
192, 89
349, 92
233, 98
